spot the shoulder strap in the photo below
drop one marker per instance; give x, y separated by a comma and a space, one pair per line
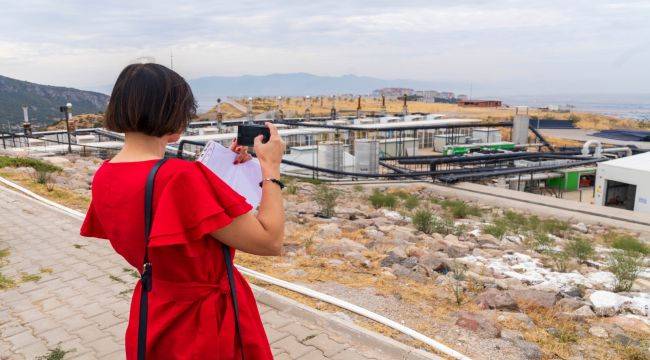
145, 277
233, 294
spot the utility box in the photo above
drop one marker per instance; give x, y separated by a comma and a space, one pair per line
624, 183
486, 135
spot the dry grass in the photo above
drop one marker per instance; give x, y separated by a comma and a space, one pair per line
57, 193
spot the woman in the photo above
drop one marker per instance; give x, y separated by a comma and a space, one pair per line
190, 311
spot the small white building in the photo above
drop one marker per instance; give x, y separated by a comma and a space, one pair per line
624, 183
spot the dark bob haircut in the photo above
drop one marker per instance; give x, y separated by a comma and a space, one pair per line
150, 99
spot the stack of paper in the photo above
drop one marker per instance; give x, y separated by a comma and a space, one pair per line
243, 178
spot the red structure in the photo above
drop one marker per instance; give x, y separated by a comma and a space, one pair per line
480, 103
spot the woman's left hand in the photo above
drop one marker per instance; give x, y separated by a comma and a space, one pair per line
242, 152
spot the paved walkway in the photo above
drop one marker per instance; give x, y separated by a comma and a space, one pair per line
81, 300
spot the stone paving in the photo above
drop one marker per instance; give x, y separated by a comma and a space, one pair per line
74, 293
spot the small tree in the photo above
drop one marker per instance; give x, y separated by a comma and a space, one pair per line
326, 199
625, 265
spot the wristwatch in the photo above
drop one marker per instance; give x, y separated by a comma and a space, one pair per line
273, 180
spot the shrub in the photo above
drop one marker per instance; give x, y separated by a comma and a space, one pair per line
378, 199
292, 188
411, 202
458, 271
460, 209
36, 164
326, 197
560, 260
628, 243
498, 228
581, 249
357, 188
542, 241
423, 220
625, 265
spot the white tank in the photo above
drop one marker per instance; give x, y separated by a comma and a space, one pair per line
366, 156
330, 155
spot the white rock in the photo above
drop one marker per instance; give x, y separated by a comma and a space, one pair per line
607, 303
580, 227
601, 280
328, 231
393, 215
597, 331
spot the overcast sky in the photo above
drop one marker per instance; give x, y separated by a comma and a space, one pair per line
500, 46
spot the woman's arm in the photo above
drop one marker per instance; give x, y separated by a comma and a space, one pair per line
261, 234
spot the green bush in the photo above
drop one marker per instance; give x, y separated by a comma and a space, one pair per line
326, 197
379, 199
498, 228
561, 260
625, 265
411, 202
292, 188
628, 243
581, 249
423, 220
36, 164
460, 209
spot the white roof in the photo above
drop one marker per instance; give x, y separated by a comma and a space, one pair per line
635, 162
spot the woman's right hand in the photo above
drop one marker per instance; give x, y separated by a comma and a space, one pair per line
270, 153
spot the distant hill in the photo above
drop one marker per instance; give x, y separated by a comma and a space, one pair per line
44, 101
299, 84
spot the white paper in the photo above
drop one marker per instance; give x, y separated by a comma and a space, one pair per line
243, 178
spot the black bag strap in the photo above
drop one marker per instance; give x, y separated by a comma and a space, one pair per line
145, 277
233, 294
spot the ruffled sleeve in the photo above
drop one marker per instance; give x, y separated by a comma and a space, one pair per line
193, 203
91, 226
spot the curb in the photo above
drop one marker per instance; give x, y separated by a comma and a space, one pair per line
389, 348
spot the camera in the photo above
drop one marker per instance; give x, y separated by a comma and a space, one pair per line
246, 134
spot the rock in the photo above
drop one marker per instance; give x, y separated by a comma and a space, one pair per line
374, 234
335, 262
357, 259
515, 239
520, 318
531, 350
570, 303
338, 247
416, 251
487, 239
451, 238
597, 331
392, 215
394, 256
434, 263
409, 262
455, 248
580, 227
496, 299
606, 303
403, 234
327, 231
413, 273
536, 298
511, 335
478, 323
581, 314
631, 323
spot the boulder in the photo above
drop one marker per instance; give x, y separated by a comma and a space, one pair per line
518, 318
357, 259
416, 273
478, 323
338, 247
435, 263
374, 234
409, 262
581, 227
484, 239
631, 323
530, 350
570, 303
598, 331
496, 299
537, 298
327, 231
581, 314
394, 256
606, 303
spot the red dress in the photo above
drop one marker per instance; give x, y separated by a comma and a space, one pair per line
190, 310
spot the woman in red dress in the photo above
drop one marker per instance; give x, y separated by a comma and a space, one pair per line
190, 311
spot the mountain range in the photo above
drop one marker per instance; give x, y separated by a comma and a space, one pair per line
44, 101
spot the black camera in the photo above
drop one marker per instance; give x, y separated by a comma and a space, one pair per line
246, 134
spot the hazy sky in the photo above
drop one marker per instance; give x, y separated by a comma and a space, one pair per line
502, 47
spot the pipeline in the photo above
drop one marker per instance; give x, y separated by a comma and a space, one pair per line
284, 284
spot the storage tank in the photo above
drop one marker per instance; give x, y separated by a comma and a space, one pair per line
366, 156
330, 155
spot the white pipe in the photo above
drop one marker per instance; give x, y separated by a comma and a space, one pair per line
587, 144
355, 309
628, 151
287, 285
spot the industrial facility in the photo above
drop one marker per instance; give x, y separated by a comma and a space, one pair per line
404, 146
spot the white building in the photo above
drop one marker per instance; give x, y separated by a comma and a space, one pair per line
624, 183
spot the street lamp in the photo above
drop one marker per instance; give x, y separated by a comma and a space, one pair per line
67, 111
